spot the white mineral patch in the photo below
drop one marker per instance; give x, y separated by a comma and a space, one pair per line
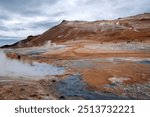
118, 79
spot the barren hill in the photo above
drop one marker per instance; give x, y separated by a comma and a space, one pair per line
129, 29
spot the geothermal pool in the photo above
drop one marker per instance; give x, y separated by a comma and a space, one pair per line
9, 67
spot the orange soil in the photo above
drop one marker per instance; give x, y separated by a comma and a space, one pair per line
136, 73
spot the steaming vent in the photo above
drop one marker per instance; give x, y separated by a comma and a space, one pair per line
10, 67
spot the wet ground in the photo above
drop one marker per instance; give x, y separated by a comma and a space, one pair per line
106, 79
89, 72
73, 87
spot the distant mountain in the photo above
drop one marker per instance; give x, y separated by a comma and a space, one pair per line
129, 29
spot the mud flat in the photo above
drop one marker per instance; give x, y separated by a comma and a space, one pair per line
92, 71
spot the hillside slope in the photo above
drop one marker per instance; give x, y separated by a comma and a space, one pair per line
129, 29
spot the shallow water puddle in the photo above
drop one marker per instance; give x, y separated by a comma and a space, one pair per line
145, 62
74, 87
9, 67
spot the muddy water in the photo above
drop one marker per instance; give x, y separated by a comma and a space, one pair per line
145, 62
74, 88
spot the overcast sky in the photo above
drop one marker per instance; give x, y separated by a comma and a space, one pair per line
20, 18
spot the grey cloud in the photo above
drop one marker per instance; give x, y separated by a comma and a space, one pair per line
9, 37
4, 28
21, 5
45, 25
4, 17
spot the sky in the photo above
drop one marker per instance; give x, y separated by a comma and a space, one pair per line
21, 18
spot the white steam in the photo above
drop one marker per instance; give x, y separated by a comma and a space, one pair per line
10, 67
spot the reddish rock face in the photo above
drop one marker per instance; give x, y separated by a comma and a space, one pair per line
130, 29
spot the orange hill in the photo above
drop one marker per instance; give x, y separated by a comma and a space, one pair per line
134, 28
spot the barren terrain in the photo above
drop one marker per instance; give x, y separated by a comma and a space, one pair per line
101, 59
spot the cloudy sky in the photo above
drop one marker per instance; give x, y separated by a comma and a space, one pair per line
20, 18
